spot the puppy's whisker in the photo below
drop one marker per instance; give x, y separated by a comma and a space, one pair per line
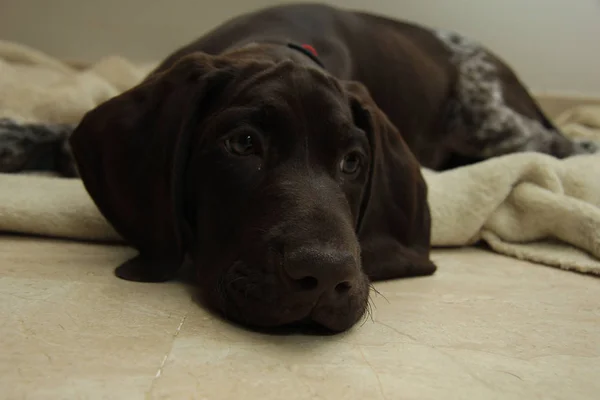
367, 313
374, 289
370, 306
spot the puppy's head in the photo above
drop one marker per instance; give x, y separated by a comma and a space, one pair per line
288, 188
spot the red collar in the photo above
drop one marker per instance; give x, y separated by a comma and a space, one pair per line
310, 48
307, 50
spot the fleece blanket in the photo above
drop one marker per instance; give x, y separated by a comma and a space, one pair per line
529, 206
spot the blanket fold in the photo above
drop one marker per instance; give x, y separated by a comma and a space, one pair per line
529, 206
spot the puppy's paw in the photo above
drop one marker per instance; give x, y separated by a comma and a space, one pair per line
141, 269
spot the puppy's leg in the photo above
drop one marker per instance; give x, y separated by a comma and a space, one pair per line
491, 112
35, 147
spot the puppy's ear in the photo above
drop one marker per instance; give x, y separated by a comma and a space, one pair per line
394, 226
131, 153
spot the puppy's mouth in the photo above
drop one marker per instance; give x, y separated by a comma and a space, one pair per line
265, 300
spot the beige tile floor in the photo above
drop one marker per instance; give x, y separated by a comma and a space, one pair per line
484, 327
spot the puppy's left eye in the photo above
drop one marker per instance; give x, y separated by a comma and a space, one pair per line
351, 163
242, 144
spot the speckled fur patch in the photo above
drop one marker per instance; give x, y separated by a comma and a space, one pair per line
41, 147
479, 115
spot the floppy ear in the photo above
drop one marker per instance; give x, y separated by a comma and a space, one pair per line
131, 152
395, 224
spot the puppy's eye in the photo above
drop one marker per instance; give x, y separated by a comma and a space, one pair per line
243, 144
351, 163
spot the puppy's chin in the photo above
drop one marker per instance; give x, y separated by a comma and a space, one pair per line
267, 316
262, 301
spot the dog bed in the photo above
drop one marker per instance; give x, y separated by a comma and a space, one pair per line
529, 206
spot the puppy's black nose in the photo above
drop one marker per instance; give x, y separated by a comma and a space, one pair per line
319, 269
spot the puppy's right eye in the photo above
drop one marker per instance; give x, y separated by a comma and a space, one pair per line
243, 144
351, 163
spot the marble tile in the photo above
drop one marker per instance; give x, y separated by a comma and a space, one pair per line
66, 335
485, 326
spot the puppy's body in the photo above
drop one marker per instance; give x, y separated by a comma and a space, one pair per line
292, 180
454, 102
406, 69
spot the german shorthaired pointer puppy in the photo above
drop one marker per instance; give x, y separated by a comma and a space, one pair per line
281, 152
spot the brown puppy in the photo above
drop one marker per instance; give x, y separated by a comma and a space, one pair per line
289, 177
288, 188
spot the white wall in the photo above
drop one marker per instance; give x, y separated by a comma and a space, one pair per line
553, 44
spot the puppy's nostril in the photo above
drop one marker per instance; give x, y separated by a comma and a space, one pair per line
343, 287
308, 283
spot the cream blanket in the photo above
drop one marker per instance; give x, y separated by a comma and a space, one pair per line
528, 206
